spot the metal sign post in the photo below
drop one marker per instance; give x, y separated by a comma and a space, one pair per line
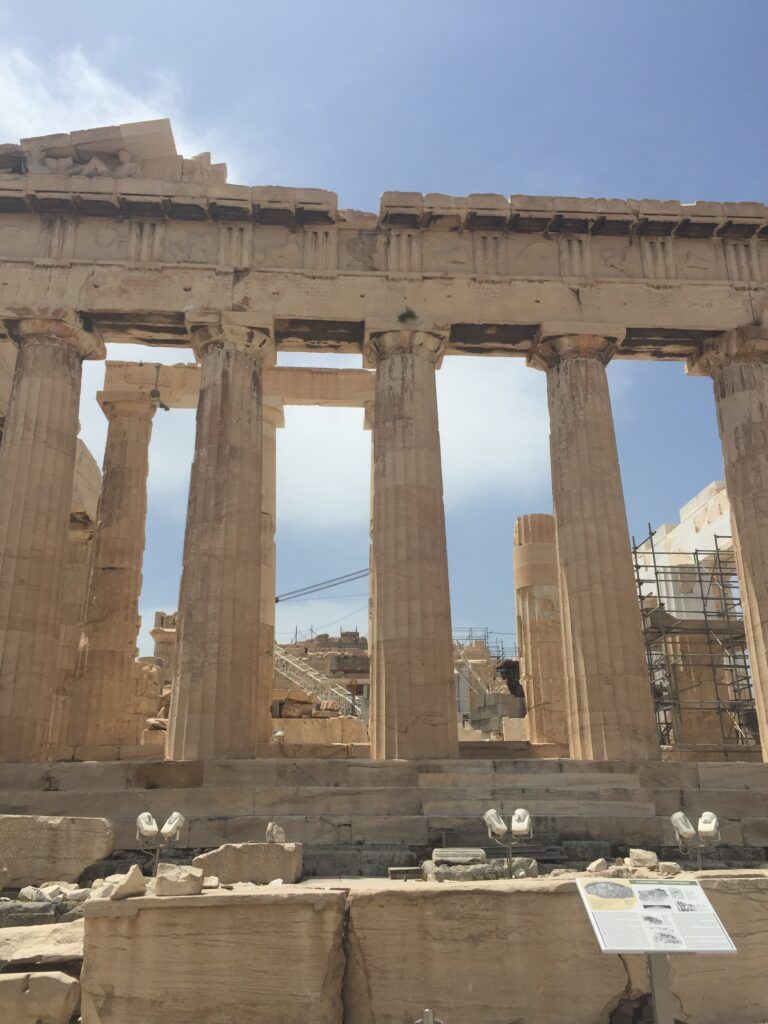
654, 916
661, 992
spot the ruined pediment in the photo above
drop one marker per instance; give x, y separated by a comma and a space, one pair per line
142, 149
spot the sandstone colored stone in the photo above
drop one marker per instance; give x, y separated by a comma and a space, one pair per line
19, 913
642, 859
45, 998
737, 361
400, 943
253, 862
44, 944
220, 706
542, 673
466, 855
274, 954
669, 867
178, 880
610, 713
103, 708
413, 705
597, 865
132, 884
37, 470
36, 848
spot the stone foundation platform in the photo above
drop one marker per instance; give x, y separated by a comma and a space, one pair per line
359, 817
380, 953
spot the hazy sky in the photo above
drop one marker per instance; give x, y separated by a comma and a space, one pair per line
627, 98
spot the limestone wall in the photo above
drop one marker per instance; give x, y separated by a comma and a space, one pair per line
270, 956
381, 952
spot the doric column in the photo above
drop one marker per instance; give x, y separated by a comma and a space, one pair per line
272, 419
37, 466
102, 712
610, 711
738, 364
214, 709
77, 571
163, 635
413, 705
539, 639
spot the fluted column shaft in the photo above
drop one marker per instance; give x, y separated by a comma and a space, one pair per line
272, 419
102, 712
37, 466
413, 694
77, 572
215, 709
738, 365
610, 711
539, 640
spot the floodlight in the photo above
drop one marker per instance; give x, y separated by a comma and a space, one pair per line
682, 826
709, 827
146, 826
494, 823
521, 824
171, 830
278, 734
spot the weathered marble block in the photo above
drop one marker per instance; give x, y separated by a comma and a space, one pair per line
253, 862
271, 955
36, 849
48, 998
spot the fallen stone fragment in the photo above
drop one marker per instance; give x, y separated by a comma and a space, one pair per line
275, 833
600, 864
44, 944
78, 895
15, 914
618, 871
521, 867
210, 882
47, 998
55, 890
132, 884
642, 859
34, 894
36, 848
178, 880
669, 867
253, 862
457, 855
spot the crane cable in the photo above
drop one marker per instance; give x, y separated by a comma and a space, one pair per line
314, 588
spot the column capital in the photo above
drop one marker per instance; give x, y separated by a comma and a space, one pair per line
428, 344
134, 404
561, 340
31, 324
273, 411
226, 328
748, 344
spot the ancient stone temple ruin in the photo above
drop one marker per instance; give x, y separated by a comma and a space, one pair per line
365, 762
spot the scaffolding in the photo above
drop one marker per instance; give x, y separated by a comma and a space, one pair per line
695, 645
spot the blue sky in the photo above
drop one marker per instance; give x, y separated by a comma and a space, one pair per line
564, 97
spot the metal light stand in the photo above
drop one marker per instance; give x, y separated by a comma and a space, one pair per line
428, 1017
510, 845
157, 845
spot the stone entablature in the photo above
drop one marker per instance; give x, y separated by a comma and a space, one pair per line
135, 252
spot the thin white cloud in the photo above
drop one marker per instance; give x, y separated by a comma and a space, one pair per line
69, 93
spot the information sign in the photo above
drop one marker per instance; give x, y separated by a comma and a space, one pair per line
646, 915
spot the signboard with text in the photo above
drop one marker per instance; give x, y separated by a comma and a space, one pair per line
646, 915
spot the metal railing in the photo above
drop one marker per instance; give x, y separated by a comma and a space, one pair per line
310, 679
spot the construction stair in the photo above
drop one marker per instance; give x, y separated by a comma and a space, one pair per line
312, 681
